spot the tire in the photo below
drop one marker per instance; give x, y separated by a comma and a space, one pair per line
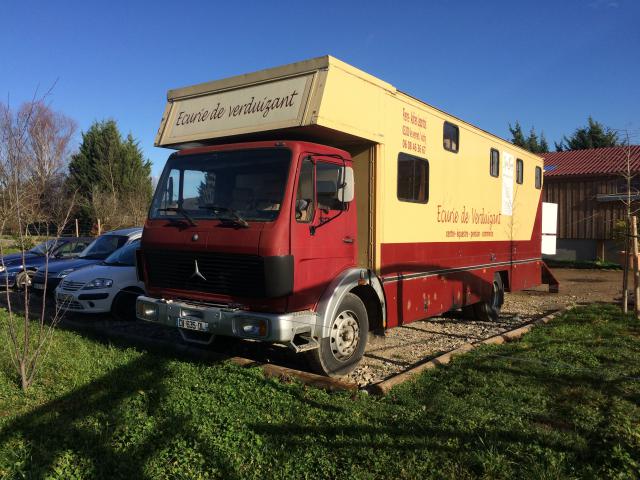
123, 307
340, 352
23, 279
490, 311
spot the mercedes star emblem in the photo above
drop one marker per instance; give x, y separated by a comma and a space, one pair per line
196, 272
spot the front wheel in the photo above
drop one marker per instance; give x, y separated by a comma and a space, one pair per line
488, 311
123, 307
23, 280
341, 351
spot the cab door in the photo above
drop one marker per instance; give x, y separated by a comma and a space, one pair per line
323, 228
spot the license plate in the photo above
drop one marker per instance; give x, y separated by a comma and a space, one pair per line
193, 325
38, 286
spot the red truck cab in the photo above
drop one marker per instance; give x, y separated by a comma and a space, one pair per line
245, 239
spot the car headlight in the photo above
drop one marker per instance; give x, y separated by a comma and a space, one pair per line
66, 272
2, 269
98, 283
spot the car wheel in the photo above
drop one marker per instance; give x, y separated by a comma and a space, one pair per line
123, 307
23, 279
341, 351
489, 311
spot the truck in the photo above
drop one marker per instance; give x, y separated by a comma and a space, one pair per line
311, 204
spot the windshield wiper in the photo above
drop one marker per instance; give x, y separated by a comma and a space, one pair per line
182, 212
237, 218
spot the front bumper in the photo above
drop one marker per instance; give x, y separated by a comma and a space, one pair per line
37, 283
210, 320
7, 278
88, 301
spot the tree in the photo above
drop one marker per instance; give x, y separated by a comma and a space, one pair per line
111, 176
531, 143
34, 145
593, 135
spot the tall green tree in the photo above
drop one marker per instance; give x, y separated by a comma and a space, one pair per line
592, 135
532, 142
111, 176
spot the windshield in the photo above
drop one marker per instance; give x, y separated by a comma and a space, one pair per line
103, 246
247, 183
126, 256
44, 247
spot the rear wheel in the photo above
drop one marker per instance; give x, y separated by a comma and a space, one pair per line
489, 311
123, 307
341, 351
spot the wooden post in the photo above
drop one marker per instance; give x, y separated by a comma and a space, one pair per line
99, 228
636, 273
625, 266
77, 229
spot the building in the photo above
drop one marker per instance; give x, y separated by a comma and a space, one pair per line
590, 188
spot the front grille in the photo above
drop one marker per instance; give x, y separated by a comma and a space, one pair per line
72, 286
224, 273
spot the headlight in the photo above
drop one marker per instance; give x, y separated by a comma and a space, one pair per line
2, 269
66, 272
146, 311
98, 283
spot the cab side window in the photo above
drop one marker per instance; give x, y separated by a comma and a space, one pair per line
305, 196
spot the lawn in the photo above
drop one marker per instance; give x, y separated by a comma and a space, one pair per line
562, 403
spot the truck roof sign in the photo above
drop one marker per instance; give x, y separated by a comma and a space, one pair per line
258, 107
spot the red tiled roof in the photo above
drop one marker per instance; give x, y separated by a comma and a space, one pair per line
599, 161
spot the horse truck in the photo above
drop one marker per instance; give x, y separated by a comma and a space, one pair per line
309, 204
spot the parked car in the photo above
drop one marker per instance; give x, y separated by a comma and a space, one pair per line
111, 286
16, 270
96, 252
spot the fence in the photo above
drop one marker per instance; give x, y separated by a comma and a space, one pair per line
74, 228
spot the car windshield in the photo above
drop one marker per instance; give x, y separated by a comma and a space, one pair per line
45, 247
126, 256
238, 185
103, 246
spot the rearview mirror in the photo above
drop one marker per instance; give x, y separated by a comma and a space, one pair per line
347, 190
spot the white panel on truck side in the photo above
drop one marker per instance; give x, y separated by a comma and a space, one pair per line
549, 227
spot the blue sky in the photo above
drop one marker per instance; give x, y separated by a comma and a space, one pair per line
548, 64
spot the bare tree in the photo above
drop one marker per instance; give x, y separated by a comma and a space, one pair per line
34, 144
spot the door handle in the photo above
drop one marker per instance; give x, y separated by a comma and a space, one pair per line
347, 240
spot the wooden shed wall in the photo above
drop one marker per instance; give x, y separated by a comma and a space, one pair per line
580, 214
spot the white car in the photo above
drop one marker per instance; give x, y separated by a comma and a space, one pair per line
111, 286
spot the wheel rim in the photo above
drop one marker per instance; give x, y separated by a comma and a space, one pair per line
23, 280
345, 335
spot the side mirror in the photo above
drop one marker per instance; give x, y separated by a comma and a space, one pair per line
347, 191
170, 190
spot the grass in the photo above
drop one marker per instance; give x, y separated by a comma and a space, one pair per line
562, 403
